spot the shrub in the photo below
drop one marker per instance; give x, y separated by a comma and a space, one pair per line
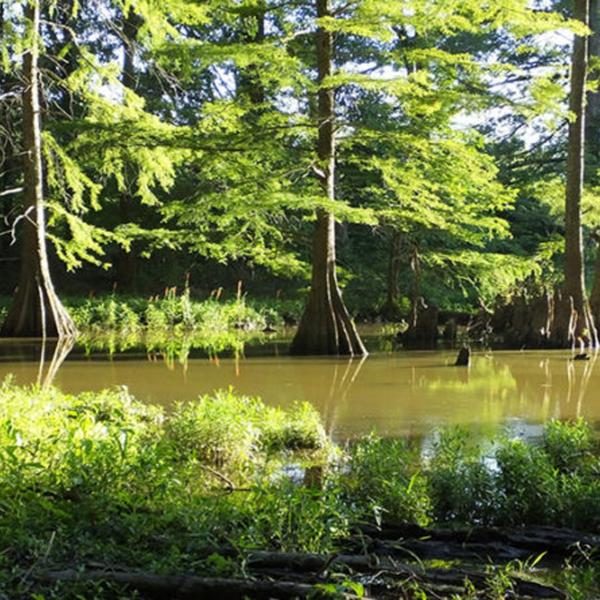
568, 444
383, 479
460, 483
528, 485
216, 429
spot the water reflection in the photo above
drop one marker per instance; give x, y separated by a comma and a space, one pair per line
395, 393
58, 351
46, 356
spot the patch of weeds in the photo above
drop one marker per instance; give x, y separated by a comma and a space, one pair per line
382, 478
461, 485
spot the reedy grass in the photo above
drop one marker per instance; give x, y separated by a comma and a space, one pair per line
169, 312
175, 312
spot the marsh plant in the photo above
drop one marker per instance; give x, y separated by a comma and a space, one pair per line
173, 325
100, 478
171, 311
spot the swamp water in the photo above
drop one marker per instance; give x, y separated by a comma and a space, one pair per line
402, 393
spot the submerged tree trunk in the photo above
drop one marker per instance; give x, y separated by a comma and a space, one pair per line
36, 310
326, 326
574, 323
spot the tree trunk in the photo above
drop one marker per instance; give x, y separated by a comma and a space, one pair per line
390, 309
592, 143
326, 326
36, 310
574, 323
595, 295
416, 300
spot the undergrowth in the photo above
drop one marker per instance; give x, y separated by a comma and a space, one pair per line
103, 479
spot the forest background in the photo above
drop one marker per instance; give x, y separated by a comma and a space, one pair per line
205, 144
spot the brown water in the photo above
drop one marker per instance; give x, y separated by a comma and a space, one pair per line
400, 393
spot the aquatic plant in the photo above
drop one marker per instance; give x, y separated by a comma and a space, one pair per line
169, 311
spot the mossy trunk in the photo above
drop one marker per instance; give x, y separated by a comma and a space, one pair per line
36, 310
326, 326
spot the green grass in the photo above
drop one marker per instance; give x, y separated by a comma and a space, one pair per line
103, 479
503, 483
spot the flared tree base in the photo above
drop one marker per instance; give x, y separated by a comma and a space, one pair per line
37, 312
573, 327
548, 320
326, 327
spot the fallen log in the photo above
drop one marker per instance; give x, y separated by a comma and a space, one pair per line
188, 587
478, 542
282, 564
297, 575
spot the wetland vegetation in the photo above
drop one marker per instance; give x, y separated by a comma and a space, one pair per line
211, 211
224, 487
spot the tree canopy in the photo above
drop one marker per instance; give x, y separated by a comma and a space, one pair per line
206, 139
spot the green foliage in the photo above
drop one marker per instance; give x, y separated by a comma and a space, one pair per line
208, 147
460, 484
504, 483
173, 325
102, 478
529, 485
568, 445
171, 312
384, 481
224, 429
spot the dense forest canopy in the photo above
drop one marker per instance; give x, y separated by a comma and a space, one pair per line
415, 153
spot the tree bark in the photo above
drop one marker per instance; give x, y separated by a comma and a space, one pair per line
416, 298
592, 144
574, 323
36, 310
390, 310
326, 326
